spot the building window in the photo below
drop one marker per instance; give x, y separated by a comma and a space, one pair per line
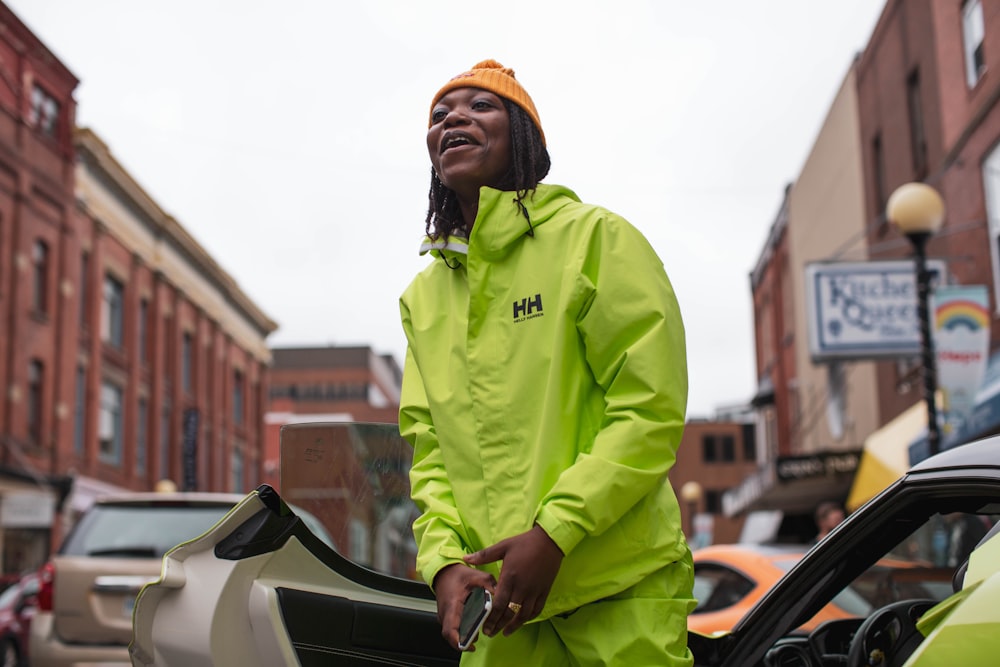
713, 502
709, 454
878, 170
141, 435
109, 425
169, 353
991, 186
113, 312
142, 331
236, 462
80, 413
187, 362
728, 448
44, 113
165, 443
918, 142
749, 443
84, 289
36, 378
972, 39
40, 280
238, 398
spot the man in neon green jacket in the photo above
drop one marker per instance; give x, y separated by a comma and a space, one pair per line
544, 393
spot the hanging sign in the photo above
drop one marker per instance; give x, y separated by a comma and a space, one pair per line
864, 310
962, 344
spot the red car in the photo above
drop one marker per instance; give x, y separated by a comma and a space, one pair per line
17, 606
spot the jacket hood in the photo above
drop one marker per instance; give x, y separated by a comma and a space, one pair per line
493, 234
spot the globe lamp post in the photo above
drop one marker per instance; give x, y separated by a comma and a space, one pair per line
691, 494
917, 210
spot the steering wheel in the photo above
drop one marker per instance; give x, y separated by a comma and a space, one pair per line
889, 635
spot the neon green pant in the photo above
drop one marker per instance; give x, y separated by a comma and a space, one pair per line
643, 625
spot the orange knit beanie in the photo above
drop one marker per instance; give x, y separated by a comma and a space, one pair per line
499, 80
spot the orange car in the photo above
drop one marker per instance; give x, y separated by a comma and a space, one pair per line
729, 579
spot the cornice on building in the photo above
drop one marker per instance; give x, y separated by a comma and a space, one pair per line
27, 43
162, 242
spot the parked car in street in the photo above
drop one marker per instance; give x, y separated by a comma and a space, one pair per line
18, 604
309, 604
88, 587
729, 579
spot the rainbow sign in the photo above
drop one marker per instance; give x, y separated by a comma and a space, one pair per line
960, 312
962, 346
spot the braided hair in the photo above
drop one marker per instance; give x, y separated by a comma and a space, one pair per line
529, 164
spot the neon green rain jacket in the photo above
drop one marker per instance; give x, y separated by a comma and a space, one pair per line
546, 381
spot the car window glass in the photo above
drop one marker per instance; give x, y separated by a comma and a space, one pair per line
921, 566
142, 531
353, 478
717, 587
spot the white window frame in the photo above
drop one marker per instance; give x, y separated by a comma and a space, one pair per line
44, 113
110, 424
991, 189
236, 469
973, 34
113, 312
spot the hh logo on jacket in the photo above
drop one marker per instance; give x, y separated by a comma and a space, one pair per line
527, 308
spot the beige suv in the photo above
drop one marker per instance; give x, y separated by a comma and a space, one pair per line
89, 586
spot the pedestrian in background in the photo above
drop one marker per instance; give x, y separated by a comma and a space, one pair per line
828, 516
544, 394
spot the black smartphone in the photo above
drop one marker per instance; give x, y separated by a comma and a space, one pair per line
477, 607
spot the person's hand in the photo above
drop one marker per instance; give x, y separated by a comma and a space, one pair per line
531, 561
452, 585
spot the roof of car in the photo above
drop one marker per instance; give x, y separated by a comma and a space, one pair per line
980, 453
766, 550
166, 498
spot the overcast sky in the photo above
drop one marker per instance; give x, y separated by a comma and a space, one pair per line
288, 137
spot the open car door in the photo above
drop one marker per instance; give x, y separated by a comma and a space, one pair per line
262, 589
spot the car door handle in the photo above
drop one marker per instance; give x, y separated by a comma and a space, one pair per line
121, 583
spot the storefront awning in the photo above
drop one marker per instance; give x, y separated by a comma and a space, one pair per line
885, 456
794, 484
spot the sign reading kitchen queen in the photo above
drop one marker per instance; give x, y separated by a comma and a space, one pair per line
864, 310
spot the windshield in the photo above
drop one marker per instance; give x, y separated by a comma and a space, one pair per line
354, 480
140, 530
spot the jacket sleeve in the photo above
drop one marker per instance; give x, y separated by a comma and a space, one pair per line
633, 338
438, 529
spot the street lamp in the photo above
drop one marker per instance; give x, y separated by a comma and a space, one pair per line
917, 210
691, 495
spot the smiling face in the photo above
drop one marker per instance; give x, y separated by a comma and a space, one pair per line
469, 141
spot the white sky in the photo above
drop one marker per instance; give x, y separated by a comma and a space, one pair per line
288, 137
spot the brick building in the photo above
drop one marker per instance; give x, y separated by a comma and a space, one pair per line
813, 418
172, 356
919, 103
37, 219
126, 354
714, 455
928, 90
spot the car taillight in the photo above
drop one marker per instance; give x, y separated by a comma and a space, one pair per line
46, 581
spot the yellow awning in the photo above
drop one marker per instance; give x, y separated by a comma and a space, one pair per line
886, 456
